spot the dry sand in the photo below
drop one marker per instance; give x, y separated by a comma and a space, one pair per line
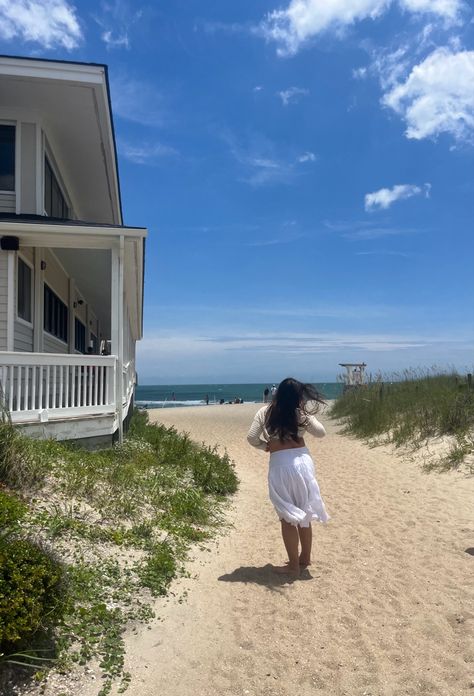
386, 609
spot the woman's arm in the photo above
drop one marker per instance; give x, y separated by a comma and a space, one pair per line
256, 430
315, 428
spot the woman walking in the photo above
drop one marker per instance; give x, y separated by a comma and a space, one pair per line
294, 491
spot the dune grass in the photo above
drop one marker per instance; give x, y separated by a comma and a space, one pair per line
410, 409
121, 520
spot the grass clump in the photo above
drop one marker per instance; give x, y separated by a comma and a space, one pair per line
122, 520
411, 408
31, 596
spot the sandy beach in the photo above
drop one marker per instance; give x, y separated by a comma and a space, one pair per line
386, 609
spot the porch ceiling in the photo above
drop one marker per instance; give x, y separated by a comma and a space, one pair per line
77, 238
91, 271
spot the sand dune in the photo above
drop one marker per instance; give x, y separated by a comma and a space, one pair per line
386, 609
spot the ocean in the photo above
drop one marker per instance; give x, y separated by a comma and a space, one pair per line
171, 395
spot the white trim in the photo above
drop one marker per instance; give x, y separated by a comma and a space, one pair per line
29, 324
71, 72
116, 321
56, 231
55, 338
10, 300
27, 262
113, 154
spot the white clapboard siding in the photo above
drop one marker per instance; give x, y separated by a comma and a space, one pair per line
7, 202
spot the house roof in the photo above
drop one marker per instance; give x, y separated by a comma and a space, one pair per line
46, 220
71, 101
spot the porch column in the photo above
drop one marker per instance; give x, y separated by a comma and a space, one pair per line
11, 298
38, 303
117, 326
71, 316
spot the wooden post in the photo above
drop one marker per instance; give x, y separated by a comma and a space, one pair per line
117, 327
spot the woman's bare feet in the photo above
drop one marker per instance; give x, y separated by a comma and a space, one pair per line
305, 562
287, 570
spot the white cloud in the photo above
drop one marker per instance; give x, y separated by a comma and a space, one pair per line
137, 101
448, 9
261, 162
437, 96
384, 198
307, 157
302, 20
115, 40
146, 153
359, 73
292, 95
50, 23
117, 18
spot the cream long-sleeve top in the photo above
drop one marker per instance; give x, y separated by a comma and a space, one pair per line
258, 435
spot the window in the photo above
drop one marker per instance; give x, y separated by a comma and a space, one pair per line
24, 288
55, 315
79, 336
94, 343
54, 202
7, 158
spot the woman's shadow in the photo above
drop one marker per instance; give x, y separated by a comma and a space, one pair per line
263, 575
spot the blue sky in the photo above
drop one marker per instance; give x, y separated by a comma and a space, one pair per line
305, 169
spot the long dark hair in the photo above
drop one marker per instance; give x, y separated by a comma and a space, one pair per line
293, 402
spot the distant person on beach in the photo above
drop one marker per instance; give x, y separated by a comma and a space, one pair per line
207, 399
266, 392
173, 397
294, 491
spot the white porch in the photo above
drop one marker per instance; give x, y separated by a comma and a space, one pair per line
53, 390
69, 395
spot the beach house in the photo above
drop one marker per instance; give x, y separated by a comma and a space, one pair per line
71, 273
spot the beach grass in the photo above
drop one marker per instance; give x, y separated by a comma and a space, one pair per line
411, 409
121, 521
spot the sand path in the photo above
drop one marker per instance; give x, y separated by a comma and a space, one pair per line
387, 609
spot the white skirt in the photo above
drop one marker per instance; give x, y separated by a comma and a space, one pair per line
293, 488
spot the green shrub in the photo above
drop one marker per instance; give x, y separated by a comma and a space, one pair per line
23, 461
31, 594
410, 408
159, 569
11, 512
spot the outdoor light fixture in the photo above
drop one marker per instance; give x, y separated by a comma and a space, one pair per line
10, 243
43, 265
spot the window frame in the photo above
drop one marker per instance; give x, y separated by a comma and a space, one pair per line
14, 125
65, 341
48, 161
77, 321
30, 265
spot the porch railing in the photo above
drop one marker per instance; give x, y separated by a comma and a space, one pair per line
37, 387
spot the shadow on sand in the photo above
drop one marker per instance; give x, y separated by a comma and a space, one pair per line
263, 575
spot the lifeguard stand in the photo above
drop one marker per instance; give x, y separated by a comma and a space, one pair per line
355, 375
